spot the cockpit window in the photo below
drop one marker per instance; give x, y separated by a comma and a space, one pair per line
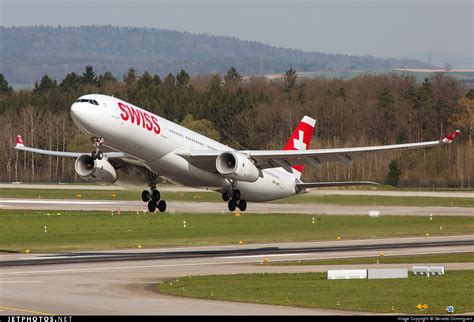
82, 100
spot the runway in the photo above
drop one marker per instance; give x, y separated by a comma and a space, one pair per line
127, 287
176, 188
221, 207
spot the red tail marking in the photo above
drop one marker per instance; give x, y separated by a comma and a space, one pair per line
300, 140
19, 140
452, 136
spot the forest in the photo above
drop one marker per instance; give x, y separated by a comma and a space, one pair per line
257, 113
30, 52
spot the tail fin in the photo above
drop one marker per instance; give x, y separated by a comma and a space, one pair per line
19, 140
300, 140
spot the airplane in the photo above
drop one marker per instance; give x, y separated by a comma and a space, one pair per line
161, 148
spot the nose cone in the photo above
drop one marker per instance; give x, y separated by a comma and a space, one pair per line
76, 113
81, 115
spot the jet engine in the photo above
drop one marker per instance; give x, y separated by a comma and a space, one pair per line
97, 171
237, 166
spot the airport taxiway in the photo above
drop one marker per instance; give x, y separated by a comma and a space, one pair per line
128, 287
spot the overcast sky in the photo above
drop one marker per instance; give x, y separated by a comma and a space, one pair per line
410, 28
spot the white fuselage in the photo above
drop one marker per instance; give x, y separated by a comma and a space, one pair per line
153, 140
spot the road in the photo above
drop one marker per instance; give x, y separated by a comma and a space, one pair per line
128, 287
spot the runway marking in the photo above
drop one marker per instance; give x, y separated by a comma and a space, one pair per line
264, 255
27, 311
120, 268
91, 270
388, 253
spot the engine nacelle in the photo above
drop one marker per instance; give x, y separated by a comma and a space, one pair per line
97, 171
237, 166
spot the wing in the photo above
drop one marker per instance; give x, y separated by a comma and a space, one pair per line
302, 185
263, 159
21, 147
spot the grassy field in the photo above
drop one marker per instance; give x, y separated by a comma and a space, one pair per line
215, 197
361, 200
73, 230
418, 259
315, 291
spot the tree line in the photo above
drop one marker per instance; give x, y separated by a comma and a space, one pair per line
255, 113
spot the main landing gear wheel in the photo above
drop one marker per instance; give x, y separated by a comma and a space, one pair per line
231, 205
155, 195
146, 196
226, 196
236, 194
242, 205
151, 206
162, 206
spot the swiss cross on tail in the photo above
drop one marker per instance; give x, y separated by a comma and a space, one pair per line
300, 139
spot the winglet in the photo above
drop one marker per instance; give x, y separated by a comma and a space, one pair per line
451, 137
19, 140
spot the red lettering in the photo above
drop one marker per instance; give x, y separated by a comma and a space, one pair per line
136, 116
140, 118
149, 125
124, 108
156, 127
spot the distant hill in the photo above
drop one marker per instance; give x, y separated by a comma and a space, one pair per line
27, 53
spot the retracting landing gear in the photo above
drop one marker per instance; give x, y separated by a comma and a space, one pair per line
233, 200
153, 196
97, 144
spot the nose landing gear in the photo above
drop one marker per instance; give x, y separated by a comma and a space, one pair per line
97, 144
234, 200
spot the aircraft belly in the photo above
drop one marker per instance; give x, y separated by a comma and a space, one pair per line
181, 171
267, 188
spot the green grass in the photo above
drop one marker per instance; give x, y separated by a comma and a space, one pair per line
361, 200
418, 259
215, 197
102, 194
313, 290
75, 230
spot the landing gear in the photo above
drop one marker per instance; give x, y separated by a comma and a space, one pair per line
146, 196
153, 196
151, 206
242, 205
162, 206
97, 144
226, 196
236, 194
234, 200
231, 205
